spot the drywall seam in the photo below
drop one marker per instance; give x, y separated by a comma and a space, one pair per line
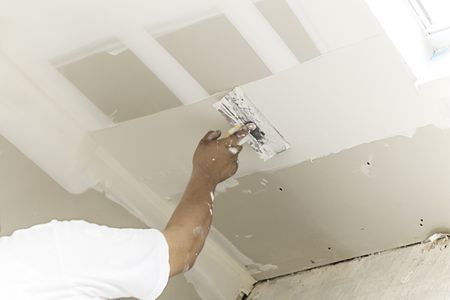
179, 81
57, 89
335, 102
101, 46
226, 278
335, 24
164, 29
41, 130
259, 34
303, 18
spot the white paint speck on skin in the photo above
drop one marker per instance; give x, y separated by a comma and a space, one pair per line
186, 268
233, 150
210, 206
197, 231
211, 194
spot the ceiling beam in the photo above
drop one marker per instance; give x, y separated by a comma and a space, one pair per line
259, 34
44, 132
164, 65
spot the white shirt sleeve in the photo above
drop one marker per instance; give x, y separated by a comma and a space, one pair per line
109, 263
78, 260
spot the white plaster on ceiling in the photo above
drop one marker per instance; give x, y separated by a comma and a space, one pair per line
336, 24
288, 26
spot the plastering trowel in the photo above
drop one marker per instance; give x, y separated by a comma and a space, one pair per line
239, 111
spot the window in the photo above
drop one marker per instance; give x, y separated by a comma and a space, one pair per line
434, 16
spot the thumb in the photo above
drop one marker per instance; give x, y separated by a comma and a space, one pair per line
212, 135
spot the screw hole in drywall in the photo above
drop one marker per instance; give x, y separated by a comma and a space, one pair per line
368, 163
329, 248
281, 189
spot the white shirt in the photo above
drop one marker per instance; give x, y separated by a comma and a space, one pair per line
78, 261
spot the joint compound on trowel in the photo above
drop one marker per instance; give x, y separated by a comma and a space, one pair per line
239, 111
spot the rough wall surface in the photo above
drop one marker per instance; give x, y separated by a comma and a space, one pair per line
415, 272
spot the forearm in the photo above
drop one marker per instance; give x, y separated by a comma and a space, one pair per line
213, 162
190, 223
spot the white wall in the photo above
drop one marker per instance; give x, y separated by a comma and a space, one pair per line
415, 272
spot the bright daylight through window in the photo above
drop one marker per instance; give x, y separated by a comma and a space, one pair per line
434, 15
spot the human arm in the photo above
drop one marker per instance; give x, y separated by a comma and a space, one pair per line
215, 160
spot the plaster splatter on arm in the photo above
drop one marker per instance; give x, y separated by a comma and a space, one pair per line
190, 224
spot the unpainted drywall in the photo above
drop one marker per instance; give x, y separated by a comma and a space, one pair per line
370, 198
120, 85
215, 54
28, 197
416, 272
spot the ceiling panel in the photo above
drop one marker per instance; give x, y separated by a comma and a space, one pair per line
359, 201
286, 23
120, 85
373, 197
215, 54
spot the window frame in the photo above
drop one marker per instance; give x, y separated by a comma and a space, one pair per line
438, 35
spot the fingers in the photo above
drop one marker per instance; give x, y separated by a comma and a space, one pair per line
212, 135
233, 140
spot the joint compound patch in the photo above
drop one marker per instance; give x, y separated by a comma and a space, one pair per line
239, 111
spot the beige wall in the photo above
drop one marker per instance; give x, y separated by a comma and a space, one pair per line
415, 273
28, 197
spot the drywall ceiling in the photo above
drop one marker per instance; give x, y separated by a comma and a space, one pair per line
324, 73
214, 59
284, 214
120, 85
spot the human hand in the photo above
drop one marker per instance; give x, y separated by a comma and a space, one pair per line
216, 160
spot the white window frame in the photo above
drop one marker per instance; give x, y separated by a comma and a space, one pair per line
438, 35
